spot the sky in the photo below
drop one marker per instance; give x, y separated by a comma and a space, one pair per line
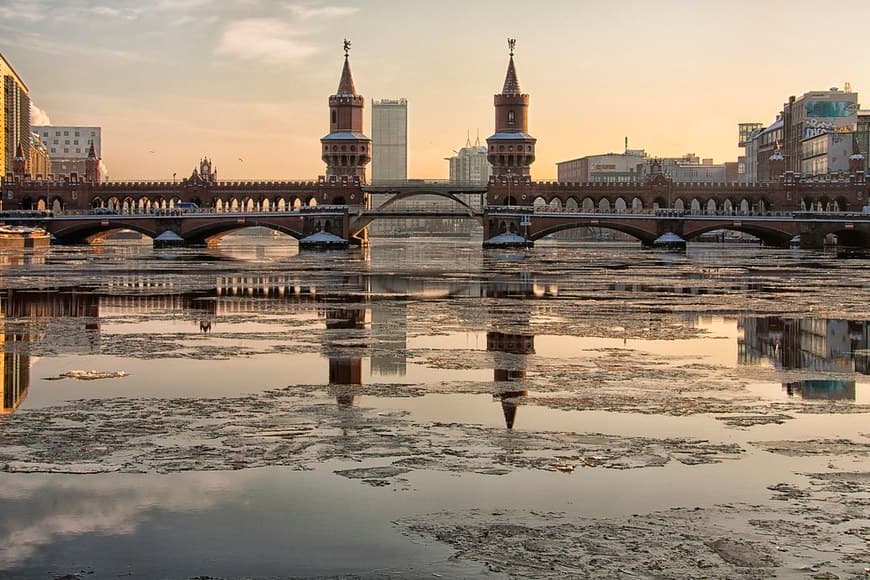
246, 82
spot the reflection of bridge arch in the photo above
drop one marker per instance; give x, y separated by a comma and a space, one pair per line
634, 231
407, 194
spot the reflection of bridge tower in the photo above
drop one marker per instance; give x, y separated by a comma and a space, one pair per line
511, 148
509, 365
345, 366
346, 150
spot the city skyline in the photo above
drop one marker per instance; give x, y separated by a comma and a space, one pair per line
247, 83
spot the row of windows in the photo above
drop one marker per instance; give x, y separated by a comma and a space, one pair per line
510, 148
66, 134
66, 150
344, 147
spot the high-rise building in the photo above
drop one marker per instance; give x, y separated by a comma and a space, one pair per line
470, 165
14, 116
68, 146
809, 116
389, 140
346, 149
511, 148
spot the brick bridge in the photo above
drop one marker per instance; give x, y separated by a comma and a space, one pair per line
774, 211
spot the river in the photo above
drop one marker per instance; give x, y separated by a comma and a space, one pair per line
426, 408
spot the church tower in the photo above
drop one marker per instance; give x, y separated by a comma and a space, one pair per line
92, 166
511, 150
346, 150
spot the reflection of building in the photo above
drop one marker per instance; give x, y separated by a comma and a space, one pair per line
389, 140
509, 364
68, 146
15, 372
389, 332
14, 116
818, 345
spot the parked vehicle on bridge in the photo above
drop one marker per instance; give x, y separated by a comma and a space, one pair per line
103, 211
186, 207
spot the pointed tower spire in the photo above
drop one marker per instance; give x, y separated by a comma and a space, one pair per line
477, 141
511, 82
92, 153
345, 85
19, 164
468, 138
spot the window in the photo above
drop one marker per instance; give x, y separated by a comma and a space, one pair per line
66, 142
77, 134
66, 133
93, 133
53, 150
75, 142
55, 141
45, 134
510, 117
57, 133
78, 149
334, 116
66, 149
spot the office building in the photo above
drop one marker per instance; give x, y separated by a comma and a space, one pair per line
389, 140
68, 146
633, 165
813, 132
14, 116
470, 165
38, 162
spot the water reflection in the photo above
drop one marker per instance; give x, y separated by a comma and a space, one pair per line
814, 345
344, 350
510, 352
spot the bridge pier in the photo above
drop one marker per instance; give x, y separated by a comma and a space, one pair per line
326, 232
507, 229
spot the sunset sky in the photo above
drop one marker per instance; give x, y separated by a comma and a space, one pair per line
246, 82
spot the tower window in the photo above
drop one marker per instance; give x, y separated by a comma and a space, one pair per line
334, 117
511, 117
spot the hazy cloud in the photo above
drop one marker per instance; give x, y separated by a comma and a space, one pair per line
263, 39
307, 11
38, 116
38, 42
28, 10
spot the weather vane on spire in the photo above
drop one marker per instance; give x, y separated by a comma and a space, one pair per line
512, 42
346, 47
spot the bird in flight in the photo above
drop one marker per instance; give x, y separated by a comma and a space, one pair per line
242, 160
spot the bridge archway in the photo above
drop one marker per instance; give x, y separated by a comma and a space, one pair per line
408, 194
768, 235
641, 235
212, 233
94, 232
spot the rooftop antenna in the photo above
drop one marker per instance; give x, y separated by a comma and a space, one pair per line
477, 141
468, 138
847, 86
626, 144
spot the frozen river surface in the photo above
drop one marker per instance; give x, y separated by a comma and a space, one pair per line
429, 409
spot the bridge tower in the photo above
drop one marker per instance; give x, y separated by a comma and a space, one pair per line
346, 150
511, 150
92, 166
19, 164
